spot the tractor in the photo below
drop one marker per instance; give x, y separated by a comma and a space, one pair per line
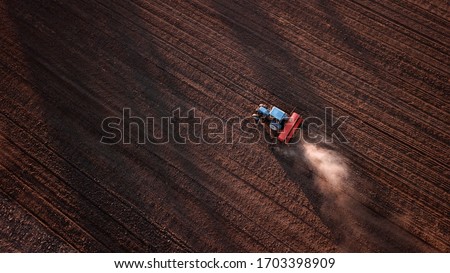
281, 124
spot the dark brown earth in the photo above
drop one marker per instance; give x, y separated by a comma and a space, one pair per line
67, 65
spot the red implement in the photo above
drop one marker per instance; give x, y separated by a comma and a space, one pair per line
289, 128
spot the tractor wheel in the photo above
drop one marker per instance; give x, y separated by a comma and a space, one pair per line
256, 118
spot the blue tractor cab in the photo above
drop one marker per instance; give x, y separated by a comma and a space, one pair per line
276, 117
279, 117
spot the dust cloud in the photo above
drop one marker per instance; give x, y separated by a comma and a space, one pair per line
330, 168
356, 228
331, 176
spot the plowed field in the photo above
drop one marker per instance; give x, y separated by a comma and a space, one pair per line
65, 66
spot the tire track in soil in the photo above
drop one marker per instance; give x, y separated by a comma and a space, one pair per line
440, 12
369, 93
195, 85
73, 205
327, 29
19, 225
45, 212
87, 192
131, 215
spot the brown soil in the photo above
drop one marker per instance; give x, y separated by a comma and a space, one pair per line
67, 65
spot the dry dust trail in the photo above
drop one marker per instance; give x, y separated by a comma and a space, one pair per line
352, 221
331, 178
